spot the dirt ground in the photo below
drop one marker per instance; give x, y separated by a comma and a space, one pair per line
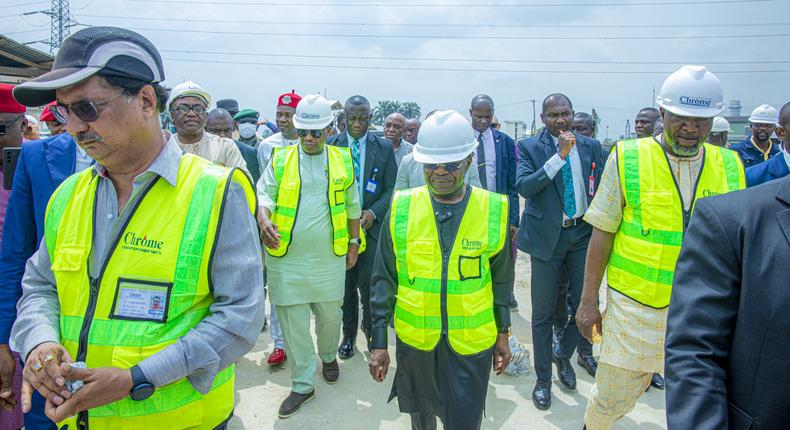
357, 402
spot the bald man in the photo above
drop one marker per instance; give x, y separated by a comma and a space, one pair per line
645, 122
219, 122
394, 126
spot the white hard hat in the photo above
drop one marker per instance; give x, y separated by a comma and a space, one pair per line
720, 124
765, 114
692, 91
188, 89
446, 136
313, 113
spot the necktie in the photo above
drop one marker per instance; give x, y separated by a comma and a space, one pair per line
481, 161
569, 197
355, 159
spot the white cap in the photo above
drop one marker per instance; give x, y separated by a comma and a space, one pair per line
31, 120
445, 137
313, 113
692, 91
188, 89
720, 124
764, 114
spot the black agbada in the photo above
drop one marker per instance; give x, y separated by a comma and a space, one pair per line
440, 382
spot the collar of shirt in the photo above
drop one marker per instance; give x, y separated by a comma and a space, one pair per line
766, 154
361, 140
488, 135
80, 151
165, 165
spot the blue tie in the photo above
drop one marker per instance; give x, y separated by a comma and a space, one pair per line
569, 198
355, 159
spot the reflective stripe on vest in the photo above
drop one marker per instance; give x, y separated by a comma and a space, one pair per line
647, 245
468, 288
163, 255
285, 162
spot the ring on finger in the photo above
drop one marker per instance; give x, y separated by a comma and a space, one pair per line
49, 357
37, 367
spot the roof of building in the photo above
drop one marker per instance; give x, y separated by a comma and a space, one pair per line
21, 60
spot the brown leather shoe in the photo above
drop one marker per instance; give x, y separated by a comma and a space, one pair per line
293, 403
331, 372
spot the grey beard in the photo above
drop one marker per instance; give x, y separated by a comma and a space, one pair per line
683, 151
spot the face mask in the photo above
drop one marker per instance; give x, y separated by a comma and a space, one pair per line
247, 130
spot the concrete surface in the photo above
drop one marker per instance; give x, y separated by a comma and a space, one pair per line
357, 402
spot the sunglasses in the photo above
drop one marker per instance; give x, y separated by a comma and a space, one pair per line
315, 133
4, 126
185, 108
85, 110
56, 113
450, 167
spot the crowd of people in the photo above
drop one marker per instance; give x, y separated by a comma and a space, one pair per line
135, 260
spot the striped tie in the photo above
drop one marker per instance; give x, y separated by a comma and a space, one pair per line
355, 159
569, 197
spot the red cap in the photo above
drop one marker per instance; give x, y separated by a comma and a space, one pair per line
8, 103
46, 114
289, 99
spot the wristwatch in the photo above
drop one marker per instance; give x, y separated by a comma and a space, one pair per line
141, 388
355, 241
505, 330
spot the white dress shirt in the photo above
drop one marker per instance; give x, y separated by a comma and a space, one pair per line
82, 161
490, 153
556, 163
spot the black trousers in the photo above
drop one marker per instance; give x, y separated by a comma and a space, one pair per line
563, 313
358, 290
569, 255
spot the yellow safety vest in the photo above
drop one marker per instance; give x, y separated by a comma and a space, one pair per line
153, 288
285, 161
464, 281
647, 245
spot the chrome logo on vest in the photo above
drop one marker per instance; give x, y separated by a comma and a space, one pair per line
471, 244
694, 101
709, 193
134, 242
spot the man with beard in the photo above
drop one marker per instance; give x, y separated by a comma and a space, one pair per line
558, 173
444, 274
639, 215
759, 148
411, 130
394, 126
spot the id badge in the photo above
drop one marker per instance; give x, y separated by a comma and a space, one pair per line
591, 190
371, 186
142, 300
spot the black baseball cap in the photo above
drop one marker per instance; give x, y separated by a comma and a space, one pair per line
229, 105
107, 51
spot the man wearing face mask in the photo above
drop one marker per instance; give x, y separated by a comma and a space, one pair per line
640, 214
444, 273
758, 147
310, 226
247, 123
187, 105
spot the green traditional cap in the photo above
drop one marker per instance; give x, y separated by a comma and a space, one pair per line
246, 113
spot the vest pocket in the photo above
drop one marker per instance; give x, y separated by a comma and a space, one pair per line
68, 258
469, 267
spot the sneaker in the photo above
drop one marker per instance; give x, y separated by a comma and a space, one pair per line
277, 357
293, 403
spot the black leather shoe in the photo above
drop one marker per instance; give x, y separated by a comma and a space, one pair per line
588, 362
556, 336
565, 374
657, 382
293, 403
541, 395
331, 372
346, 349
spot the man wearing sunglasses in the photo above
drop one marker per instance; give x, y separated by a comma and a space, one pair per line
310, 209
444, 273
188, 107
149, 241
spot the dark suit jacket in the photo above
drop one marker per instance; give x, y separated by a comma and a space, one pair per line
774, 168
728, 333
42, 166
506, 172
541, 221
379, 162
750, 155
250, 156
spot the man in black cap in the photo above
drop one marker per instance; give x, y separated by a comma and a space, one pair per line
146, 221
230, 105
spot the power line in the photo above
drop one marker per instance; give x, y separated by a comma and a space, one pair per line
439, 69
22, 4
414, 36
466, 60
431, 25
487, 5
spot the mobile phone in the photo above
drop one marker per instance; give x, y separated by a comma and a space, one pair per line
10, 157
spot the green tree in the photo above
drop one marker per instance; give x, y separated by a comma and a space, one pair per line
383, 110
410, 110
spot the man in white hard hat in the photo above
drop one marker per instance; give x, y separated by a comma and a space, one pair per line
310, 208
758, 147
639, 215
443, 273
719, 132
188, 107
779, 166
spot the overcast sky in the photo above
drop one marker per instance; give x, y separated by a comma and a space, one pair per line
459, 30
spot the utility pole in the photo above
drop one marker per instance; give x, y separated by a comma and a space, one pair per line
533, 129
653, 103
627, 129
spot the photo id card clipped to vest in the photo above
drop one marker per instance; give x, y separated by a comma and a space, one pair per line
591, 183
141, 300
372, 185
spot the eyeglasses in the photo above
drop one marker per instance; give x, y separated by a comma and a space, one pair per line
450, 167
183, 109
5, 125
86, 110
411, 130
315, 133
